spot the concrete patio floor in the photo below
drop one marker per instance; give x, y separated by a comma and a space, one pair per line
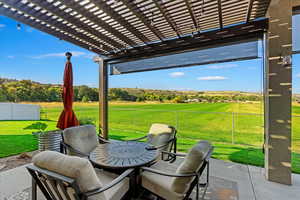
233, 181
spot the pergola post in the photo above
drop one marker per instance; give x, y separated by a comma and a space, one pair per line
103, 96
278, 92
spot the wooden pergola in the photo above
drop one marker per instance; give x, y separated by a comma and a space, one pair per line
128, 30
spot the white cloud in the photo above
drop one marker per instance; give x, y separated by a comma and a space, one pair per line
222, 66
11, 57
2, 25
176, 74
298, 75
212, 78
74, 53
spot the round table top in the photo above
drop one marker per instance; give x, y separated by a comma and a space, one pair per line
121, 155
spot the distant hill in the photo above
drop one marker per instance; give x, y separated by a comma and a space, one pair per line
26, 90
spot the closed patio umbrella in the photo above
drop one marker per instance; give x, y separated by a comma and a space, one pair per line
67, 117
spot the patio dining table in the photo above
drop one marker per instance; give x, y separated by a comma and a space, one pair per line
123, 155
119, 156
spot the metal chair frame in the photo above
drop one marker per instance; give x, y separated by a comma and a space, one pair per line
56, 181
197, 175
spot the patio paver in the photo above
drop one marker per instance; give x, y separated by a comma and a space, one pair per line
226, 178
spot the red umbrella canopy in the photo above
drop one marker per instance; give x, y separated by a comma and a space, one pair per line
67, 117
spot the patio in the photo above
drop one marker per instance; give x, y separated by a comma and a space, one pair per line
228, 181
145, 35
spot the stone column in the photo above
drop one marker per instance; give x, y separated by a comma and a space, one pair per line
278, 92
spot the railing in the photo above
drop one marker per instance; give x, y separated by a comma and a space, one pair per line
237, 136
225, 127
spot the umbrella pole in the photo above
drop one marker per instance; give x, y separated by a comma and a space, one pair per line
103, 96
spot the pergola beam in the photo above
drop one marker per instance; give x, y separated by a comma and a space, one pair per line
296, 3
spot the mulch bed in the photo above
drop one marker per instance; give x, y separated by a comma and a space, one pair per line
16, 161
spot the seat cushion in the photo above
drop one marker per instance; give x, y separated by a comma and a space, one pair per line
191, 164
158, 184
82, 138
160, 134
116, 192
74, 167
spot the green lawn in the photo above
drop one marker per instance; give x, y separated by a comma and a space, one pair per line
237, 137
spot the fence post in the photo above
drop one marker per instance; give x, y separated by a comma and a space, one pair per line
176, 114
232, 129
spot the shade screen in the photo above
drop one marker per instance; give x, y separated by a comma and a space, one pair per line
228, 53
296, 31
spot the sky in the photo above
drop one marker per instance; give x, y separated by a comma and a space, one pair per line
30, 54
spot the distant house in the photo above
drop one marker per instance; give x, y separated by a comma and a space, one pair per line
192, 101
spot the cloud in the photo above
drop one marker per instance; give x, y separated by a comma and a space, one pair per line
49, 55
176, 74
2, 25
211, 78
222, 66
11, 57
298, 75
29, 29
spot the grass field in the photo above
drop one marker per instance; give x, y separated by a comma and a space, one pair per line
235, 129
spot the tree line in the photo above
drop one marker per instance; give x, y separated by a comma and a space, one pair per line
27, 90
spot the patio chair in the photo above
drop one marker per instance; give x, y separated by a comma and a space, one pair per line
64, 177
80, 140
162, 137
170, 182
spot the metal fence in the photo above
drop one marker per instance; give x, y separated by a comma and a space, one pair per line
229, 130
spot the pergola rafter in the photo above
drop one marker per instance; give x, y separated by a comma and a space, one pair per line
220, 14
66, 16
192, 14
94, 19
249, 10
167, 16
140, 15
117, 17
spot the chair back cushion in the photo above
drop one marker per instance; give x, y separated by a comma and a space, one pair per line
160, 134
73, 167
82, 138
191, 164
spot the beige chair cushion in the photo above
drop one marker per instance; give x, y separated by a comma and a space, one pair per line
191, 164
116, 192
74, 167
158, 184
82, 138
160, 134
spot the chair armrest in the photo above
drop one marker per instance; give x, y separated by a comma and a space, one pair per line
138, 139
111, 184
67, 146
174, 154
155, 171
102, 140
